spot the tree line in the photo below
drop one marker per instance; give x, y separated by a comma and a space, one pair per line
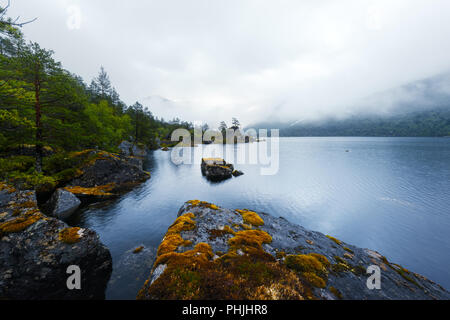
44, 105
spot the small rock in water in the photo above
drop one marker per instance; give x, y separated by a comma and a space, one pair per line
237, 173
216, 169
138, 249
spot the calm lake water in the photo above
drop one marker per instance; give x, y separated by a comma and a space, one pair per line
387, 194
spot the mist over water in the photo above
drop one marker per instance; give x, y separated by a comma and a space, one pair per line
387, 194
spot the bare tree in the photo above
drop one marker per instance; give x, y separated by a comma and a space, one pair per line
5, 21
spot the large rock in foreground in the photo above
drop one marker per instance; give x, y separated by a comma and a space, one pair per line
35, 252
216, 169
215, 253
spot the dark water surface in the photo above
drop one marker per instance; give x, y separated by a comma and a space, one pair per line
387, 194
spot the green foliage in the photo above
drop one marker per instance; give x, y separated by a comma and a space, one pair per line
15, 163
106, 128
11, 123
32, 180
42, 104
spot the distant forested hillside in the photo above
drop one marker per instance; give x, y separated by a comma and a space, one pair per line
429, 123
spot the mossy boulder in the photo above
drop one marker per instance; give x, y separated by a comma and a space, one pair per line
216, 253
216, 169
104, 175
35, 251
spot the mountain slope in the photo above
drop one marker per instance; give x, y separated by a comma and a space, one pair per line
434, 123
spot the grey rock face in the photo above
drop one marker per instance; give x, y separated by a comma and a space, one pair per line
135, 161
62, 204
130, 149
216, 169
110, 170
34, 257
347, 263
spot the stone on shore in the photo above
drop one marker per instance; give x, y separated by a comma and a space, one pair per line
216, 169
36, 250
105, 176
216, 253
62, 204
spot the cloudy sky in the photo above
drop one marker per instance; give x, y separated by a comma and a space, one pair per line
214, 59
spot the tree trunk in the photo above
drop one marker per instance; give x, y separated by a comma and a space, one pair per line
37, 88
136, 130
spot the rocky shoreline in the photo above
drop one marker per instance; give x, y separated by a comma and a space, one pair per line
37, 247
216, 253
36, 250
207, 253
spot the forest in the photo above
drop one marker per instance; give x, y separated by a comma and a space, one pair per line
47, 112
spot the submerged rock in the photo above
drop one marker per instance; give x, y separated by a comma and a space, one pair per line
130, 270
216, 253
216, 169
62, 204
35, 252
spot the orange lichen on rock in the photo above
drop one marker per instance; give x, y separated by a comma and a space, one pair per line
312, 267
171, 242
245, 271
194, 274
312, 262
173, 239
251, 217
182, 223
252, 238
138, 249
205, 204
21, 223
314, 279
7, 187
71, 235
81, 153
216, 233
336, 292
337, 241
194, 202
104, 190
201, 252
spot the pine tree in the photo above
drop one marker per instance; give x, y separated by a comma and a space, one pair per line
101, 86
235, 124
38, 68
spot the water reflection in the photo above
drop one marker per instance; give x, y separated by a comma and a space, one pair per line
388, 194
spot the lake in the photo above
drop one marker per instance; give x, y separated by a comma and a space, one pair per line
387, 194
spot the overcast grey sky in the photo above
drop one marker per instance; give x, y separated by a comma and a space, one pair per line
214, 59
